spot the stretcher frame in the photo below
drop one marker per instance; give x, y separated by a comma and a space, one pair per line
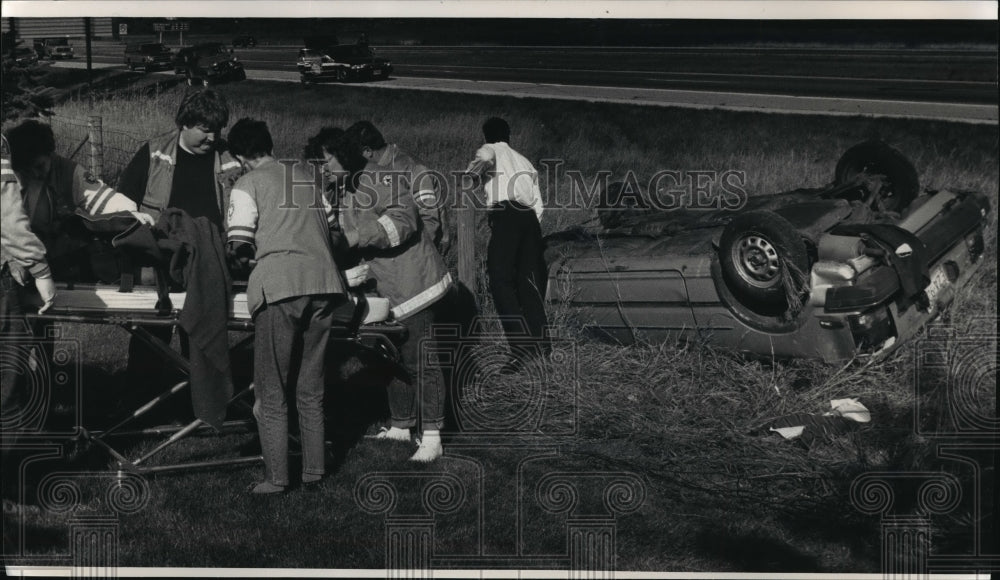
136, 311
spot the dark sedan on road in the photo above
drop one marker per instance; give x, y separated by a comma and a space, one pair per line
148, 56
344, 62
244, 41
208, 64
848, 270
24, 56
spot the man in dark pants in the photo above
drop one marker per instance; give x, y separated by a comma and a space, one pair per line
514, 259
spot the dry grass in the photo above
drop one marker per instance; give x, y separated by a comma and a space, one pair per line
723, 493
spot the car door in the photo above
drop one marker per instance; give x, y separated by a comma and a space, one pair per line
628, 288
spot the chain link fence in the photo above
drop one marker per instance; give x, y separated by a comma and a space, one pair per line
104, 149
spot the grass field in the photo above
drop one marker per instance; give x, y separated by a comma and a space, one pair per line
719, 492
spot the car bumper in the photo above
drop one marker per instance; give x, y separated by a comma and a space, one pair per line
351, 73
230, 74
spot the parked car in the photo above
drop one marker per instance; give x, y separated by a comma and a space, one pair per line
24, 56
53, 48
244, 41
849, 270
62, 52
208, 63
343, 62
148, 56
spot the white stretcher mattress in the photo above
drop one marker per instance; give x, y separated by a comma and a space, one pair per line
84, 298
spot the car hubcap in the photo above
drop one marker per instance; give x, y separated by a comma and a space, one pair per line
757, 261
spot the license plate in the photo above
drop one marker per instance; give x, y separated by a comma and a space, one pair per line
378, 73
939, 281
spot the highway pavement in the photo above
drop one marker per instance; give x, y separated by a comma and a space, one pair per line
929, 84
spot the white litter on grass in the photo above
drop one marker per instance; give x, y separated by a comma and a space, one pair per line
850, 409
789, 432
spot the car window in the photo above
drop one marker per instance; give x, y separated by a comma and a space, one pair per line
211, 49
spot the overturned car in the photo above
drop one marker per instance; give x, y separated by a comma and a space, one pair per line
848, 270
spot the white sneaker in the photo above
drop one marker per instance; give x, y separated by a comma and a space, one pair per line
393, 434
430, 449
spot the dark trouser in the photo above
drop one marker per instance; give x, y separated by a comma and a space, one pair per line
518, 275
424, 382
289, 357
11, 383
19, 410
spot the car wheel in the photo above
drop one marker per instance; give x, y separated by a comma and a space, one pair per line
765, 263
131, 66
892, 175
342, 75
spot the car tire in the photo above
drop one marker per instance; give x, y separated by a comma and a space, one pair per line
341, 75
764, 262
900, 183
131, 66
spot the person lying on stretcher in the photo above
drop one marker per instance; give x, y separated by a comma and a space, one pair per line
53, 189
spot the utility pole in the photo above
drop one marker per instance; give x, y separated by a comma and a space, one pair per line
90, 69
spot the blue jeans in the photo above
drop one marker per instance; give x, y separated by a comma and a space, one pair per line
289, 357
424, 382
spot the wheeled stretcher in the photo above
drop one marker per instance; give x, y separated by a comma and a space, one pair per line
142, 307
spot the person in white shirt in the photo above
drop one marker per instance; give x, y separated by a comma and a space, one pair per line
514, 259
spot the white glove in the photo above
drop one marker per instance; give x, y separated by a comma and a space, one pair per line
144, 218
357, 275
47, 290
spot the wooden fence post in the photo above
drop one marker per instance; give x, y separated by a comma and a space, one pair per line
467, 238
95, 135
